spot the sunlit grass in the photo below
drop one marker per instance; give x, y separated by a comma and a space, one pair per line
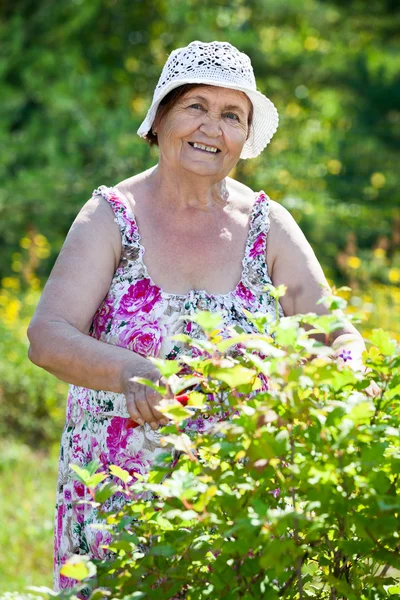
380, 309
27, 491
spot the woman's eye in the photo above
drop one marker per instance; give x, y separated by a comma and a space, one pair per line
195, 106
232, 116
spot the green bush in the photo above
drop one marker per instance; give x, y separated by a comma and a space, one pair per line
294, 495
32, 402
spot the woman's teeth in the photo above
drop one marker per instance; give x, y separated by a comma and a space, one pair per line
202, 147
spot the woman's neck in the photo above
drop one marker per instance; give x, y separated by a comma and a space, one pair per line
186, 190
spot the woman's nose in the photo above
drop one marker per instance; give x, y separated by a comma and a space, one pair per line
211, 124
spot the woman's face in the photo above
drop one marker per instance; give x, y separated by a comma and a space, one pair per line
204, 132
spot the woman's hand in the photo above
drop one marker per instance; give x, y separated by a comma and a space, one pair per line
373, 390
141, 399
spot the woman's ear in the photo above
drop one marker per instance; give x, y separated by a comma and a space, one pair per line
156, 122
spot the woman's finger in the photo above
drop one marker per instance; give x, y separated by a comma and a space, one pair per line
141, 401
143, 406
373, 390
154, 400
132, 408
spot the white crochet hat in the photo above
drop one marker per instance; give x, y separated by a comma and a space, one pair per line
219, 64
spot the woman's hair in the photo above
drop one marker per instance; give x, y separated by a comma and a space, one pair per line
171, 99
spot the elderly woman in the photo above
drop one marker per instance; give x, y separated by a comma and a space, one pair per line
180, 237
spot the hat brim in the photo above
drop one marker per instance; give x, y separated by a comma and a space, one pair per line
265, 116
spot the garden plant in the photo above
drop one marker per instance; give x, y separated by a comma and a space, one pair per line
292, 493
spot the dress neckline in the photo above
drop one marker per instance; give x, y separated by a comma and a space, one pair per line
193, 292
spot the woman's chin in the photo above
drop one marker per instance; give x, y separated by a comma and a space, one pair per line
203, 169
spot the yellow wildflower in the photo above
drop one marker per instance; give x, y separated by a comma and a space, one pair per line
25, 243
353, 262
10, 283
311, 43
378, 180
379, 253
394, 275
334, 166
12, 310
40, 240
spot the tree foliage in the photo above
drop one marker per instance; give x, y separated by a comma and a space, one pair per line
77, 78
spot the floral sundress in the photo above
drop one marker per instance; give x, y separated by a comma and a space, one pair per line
138, 315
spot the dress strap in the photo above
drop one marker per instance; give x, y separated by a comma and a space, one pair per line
124, 218
255, 271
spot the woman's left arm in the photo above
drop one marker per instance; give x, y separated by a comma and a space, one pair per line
292, 262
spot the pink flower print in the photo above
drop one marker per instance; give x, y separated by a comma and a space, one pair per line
117, 437
141, 296
79, 509
122, 209
260, 198
102, 538
259, 245
79, 489
245, 294
69, 405
61, 510
196, 352
102, 317
144, 337
67, 495
264, 382
65, 583
117, 200
77, 449
134, 463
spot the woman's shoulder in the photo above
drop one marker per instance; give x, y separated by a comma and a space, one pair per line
239, 189
282, 223
133, 187
241, 196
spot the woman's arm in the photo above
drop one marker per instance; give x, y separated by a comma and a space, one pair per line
78, 283
292, 262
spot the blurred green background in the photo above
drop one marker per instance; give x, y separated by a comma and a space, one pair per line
76, 80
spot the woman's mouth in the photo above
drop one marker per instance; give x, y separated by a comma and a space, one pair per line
204, 148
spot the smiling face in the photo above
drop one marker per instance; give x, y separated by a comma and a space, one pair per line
204, 131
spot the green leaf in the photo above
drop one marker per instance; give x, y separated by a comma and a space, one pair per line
157, 388
181, 442
276, 292
78, 567
166, 367
237, 339
162, 550
101, 594
182, 337
207, 320
105, 492
333, 302
233, 376
260, 320
120, 473
93, 466
197, 399
85, 475
174, 409
287, 331
359, 409
382, 340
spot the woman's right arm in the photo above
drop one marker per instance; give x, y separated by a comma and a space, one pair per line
78, 283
